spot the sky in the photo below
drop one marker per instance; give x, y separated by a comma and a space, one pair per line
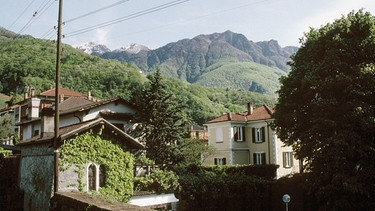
155, 23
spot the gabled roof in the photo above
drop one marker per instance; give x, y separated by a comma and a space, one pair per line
96, 104
62, 91
73, 130
260, 113
73, 102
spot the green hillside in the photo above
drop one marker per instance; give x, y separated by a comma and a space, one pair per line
247, 76
29, 61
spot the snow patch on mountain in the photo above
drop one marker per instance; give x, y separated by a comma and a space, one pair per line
93, 49
133, 48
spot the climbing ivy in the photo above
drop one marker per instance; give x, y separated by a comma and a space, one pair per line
90, 147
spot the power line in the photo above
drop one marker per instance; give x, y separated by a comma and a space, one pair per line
22, 13
41, 10
95, 11
124, 18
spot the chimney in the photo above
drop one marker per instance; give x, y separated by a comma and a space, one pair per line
48, 122
61, 98
32, 92
89, 95
26, 94
250, 108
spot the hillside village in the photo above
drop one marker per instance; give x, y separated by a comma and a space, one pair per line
122, 135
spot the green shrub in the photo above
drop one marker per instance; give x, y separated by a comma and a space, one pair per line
157, 181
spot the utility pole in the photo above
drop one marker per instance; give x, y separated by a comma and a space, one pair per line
57, 101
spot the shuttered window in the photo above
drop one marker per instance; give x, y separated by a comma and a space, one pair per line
239, 134
259, 134
259, 158
288, 159
220, 161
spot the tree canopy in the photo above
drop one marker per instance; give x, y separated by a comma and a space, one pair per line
162, 122
326, 111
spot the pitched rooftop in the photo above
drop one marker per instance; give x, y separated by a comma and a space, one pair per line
259, 113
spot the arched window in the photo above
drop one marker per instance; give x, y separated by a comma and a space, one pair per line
92, 177
102, 175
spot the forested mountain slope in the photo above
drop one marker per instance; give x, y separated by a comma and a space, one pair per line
193, 60
28, 61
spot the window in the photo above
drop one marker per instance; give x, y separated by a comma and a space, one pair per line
239, 134
102, 175
220, 161
259, 158
96, 176
92, 177
219, 135
288, 159
259, 135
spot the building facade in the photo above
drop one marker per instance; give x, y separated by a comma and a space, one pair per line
248, 139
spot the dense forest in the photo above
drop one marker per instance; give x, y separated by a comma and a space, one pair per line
25, 60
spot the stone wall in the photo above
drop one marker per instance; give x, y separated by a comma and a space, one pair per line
36, 178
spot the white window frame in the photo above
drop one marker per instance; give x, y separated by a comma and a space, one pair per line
288, 159
220, 161
258, 136
258, 158
239, 130
96, 176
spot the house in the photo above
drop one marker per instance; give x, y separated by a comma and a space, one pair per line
247, 138
78, 114
37, 160
198, 132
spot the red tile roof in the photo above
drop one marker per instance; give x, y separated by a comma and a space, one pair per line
259, 113
62, 91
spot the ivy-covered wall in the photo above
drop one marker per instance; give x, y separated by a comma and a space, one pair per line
90, 148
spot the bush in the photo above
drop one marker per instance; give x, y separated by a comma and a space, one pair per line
157, 181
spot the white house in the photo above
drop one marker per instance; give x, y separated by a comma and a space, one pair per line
247, 138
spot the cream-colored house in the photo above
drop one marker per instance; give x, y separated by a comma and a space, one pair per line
247, 138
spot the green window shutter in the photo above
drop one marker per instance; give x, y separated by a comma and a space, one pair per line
235, 130
263, 134
215, 161
254, 158
253, 134
263, 155
224, 161
243, 134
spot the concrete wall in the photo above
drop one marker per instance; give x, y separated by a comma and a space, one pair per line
36, 176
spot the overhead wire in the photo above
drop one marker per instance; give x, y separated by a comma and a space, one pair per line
41, 10
22, 13
96, 11
124, 18
51, 30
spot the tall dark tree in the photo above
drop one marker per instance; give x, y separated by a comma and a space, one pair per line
162, 123
326, 111
6, 126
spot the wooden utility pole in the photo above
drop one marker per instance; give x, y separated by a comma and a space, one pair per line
57, 101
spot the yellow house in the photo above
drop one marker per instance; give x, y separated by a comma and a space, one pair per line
247, 138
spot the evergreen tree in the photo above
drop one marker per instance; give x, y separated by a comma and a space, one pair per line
6, 126
161, 122
326, 111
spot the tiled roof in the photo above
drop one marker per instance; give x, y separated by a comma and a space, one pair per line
96, 104
73, 102
259, 113
72, 130
65, 92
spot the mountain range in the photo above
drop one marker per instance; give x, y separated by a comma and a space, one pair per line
223, 60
